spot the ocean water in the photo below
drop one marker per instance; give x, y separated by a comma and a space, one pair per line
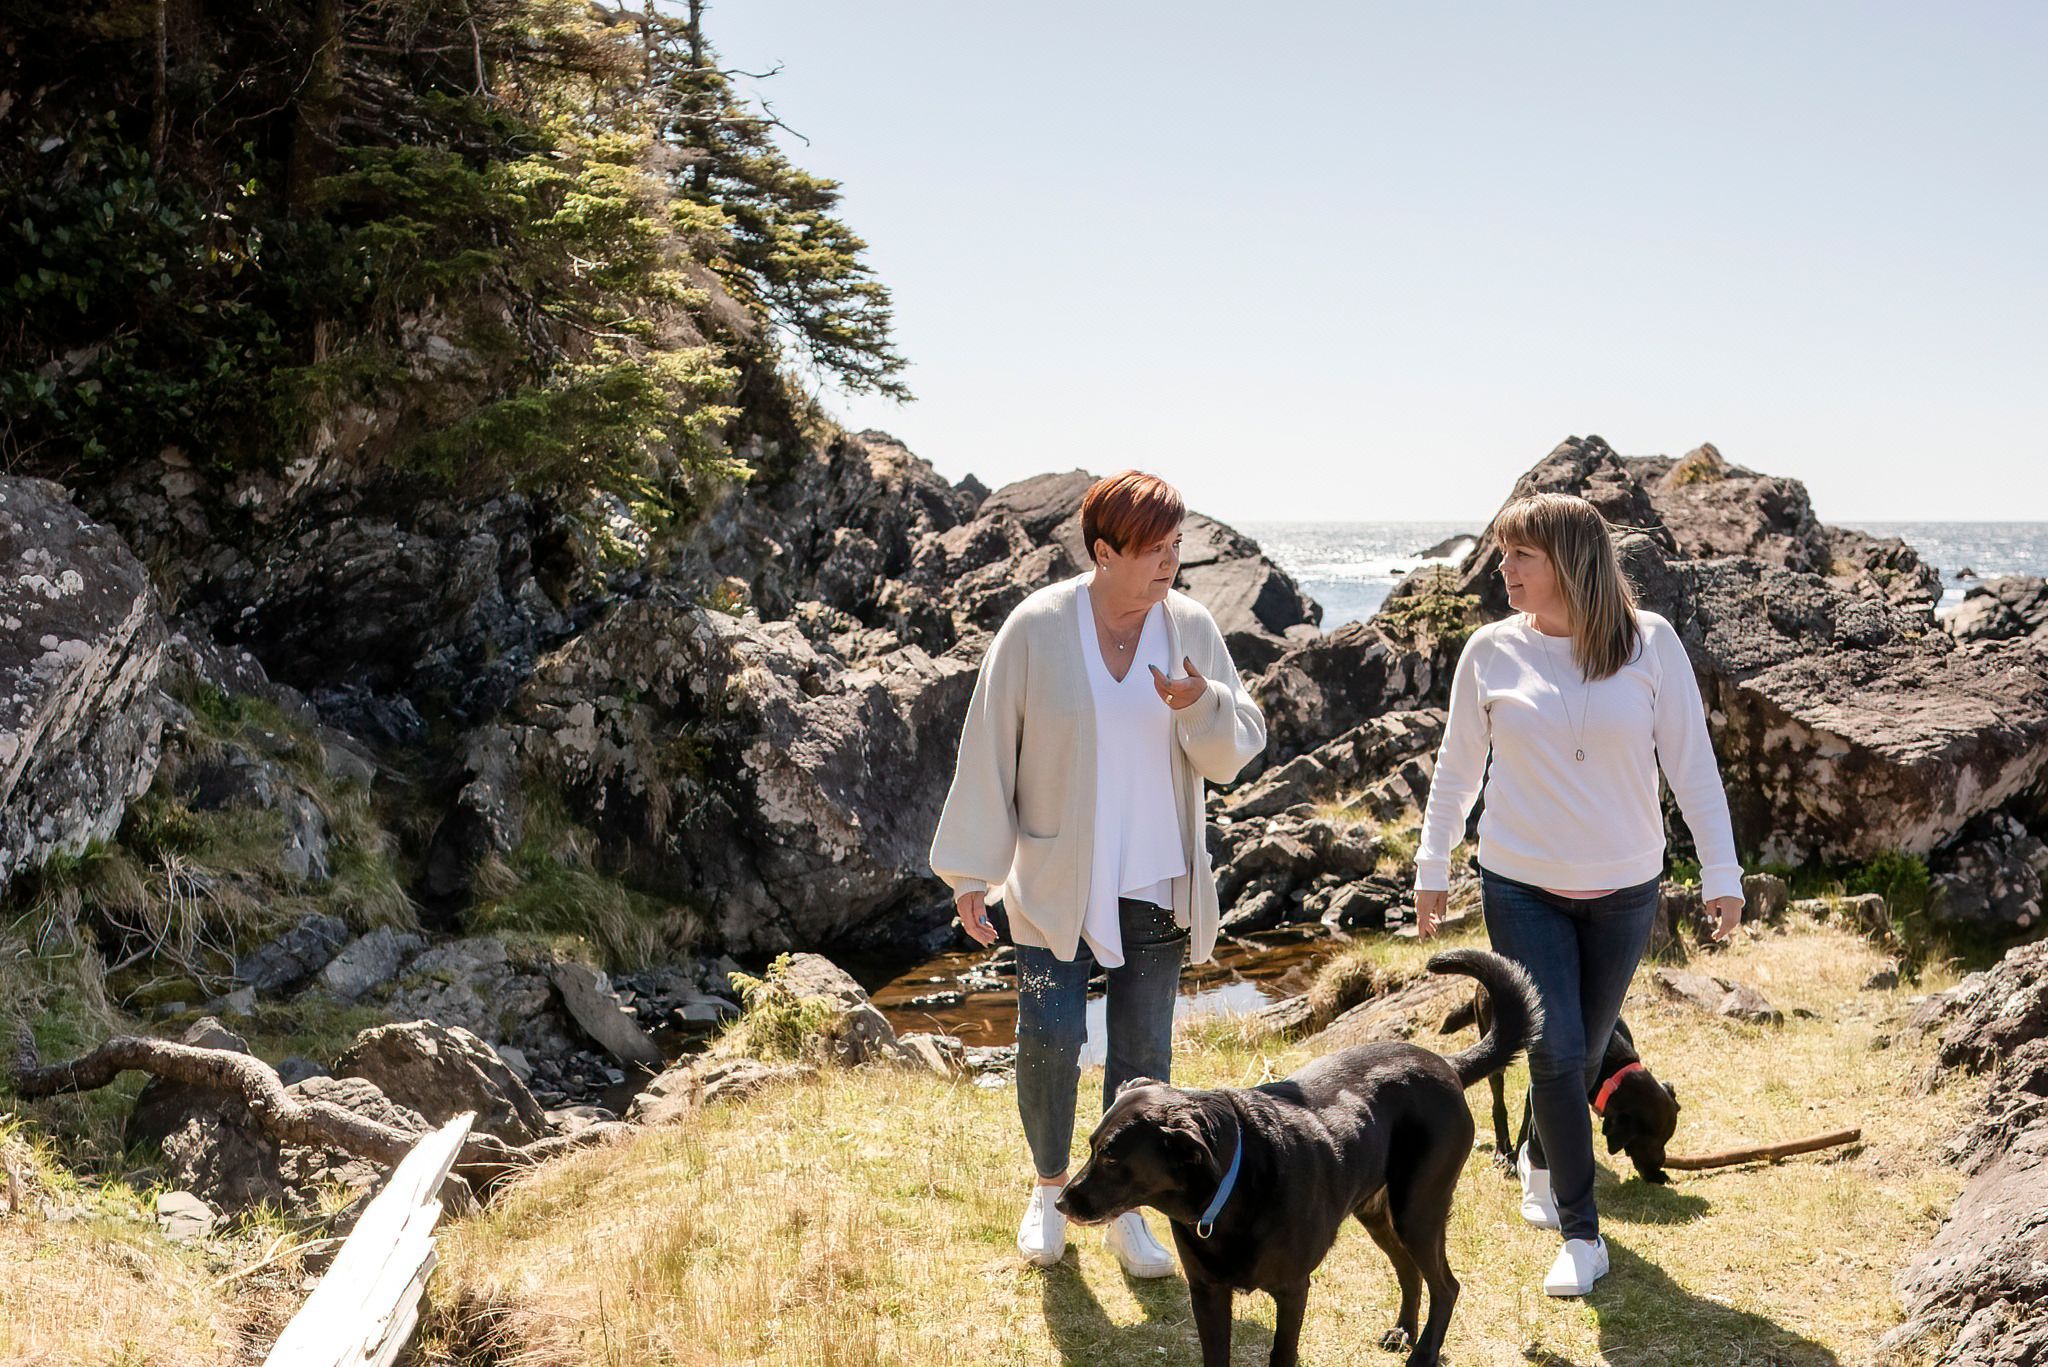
1348, 567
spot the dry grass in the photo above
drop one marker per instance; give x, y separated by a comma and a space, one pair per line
866, 1218
85, 1277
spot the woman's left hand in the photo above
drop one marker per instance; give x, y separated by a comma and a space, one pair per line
1727, 914
1180, 693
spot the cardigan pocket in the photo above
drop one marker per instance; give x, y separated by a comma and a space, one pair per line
1027, 868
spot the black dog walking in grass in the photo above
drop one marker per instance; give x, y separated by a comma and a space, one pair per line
1257, 1182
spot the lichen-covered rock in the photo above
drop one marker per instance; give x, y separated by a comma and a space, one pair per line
474, 983
294, 956
81, 644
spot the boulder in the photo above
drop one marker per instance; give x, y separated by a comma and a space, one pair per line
294, 956
80, 723
1367, 754
441, 1071
475, 984
368, 962
1988, 878
2002, 609
858, 1030
1717, 996
233, 776
1998, 1011
700, 1081
941, 1054
1419, 1008
588, 995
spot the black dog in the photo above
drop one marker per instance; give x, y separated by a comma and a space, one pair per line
1258, 1182
1638, 1114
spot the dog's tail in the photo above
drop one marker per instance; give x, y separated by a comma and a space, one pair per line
1517, 1014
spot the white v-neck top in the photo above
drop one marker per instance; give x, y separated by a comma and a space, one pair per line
1138, 846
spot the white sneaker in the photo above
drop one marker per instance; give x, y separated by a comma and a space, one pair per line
1132, 1242
1042, 1234
1580, 1263
1539, 1204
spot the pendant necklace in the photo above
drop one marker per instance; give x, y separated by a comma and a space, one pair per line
1585, 687
1120, 645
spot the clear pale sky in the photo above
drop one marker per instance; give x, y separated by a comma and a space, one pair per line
1371, 260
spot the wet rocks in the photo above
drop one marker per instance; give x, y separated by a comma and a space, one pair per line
80, 721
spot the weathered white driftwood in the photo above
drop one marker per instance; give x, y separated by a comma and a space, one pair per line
364, 1309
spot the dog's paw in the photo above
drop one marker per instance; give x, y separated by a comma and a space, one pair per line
1506, 1163
1396, 1340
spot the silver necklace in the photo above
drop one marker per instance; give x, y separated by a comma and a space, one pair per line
1585, 687
1120, 645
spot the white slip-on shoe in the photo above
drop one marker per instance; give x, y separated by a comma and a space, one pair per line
1141, 1255
1580, 1263
1042, 1234
1539, 1205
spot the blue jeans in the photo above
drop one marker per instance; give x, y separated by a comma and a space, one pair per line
1052, 1022
1581, 952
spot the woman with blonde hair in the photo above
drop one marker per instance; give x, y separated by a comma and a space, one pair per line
1579, 699
1102, 705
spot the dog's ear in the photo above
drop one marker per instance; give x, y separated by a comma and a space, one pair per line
1185, 1138
1671, 1092
1139, 1082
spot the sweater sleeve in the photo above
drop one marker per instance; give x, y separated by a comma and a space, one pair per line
1460, 772
1226, 729
1685, 752
977, 834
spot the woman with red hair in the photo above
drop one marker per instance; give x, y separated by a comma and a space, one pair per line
1104, 703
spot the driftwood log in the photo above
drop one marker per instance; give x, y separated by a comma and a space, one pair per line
484, 1160
1730, 1157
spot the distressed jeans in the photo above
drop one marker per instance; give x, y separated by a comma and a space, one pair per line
1052, 1023
1581, 953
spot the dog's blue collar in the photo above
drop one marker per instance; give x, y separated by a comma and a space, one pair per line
1206, 1226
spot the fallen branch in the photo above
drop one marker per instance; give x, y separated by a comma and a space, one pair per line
483, 1160
1730, 1157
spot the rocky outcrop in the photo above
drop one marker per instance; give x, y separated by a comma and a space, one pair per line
1973, 1296
2002, 609
1989, 876
739, 769
80, 724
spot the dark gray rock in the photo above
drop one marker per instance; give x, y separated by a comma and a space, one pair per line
2000, 1011
294, 956
2002, 609
80, 724
369, 961
1989, 877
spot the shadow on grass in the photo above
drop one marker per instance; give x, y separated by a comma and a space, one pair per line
1084, 1334
1636, 1202
1644, 1316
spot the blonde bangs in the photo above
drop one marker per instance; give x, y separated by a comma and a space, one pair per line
1599, 601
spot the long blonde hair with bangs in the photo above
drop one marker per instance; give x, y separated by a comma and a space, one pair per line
1599, 601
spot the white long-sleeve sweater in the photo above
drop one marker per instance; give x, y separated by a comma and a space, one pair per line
1557, 821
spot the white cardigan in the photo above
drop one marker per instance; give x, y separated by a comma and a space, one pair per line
1019, 819
1552, 819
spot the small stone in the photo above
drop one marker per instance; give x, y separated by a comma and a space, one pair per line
185, 1217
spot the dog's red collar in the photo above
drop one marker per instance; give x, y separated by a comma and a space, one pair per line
1607, 1088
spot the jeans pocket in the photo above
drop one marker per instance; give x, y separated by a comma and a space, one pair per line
1145, 923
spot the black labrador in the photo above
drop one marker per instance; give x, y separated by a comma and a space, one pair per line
1638, 1114
1258, 1181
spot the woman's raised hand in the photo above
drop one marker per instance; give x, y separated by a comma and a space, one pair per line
1180, 693
1429, 909
973, 910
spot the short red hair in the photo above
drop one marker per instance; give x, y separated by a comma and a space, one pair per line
1129, 509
